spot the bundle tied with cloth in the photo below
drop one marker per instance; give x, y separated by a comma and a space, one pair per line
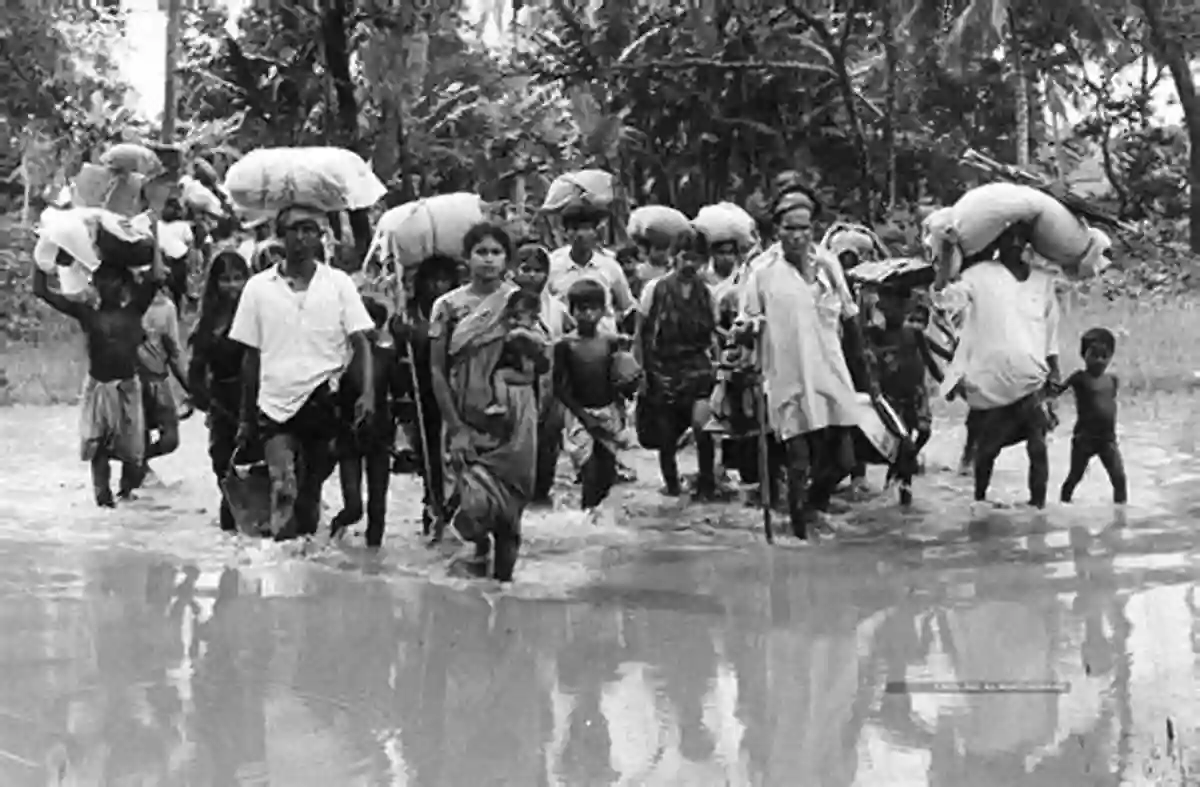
969, 229
73, 243
329, 179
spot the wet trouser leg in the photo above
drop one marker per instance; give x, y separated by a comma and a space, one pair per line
222, 440
379, 474
798, 464
300, 457
317, 462
599, 473
998, 428
350, 472
102, 479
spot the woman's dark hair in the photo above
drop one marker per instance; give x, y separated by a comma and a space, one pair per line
484, 230
226, 262
1100, 337
585, 293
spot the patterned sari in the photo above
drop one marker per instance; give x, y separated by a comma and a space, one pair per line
497, 479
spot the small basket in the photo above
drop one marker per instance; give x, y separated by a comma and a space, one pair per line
247, 489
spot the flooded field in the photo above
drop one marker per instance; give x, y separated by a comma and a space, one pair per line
663, 645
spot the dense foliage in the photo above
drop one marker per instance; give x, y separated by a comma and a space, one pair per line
689, 102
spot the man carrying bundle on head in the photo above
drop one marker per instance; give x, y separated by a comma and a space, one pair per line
302, 322
1007, 359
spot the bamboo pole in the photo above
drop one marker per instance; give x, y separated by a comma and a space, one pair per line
174, 9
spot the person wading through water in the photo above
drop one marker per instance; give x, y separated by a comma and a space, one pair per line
302, 323
796, 296
677, 336
1006, 363
214, 372
583, 256
533, 271
493, 458
434, 277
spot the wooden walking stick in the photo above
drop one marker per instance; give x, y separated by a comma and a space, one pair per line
435, 497
764, 445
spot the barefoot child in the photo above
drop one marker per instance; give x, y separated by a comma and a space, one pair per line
111, 424
899, 356
587, 387
370, 449
158, 358
1095, 433
524, 347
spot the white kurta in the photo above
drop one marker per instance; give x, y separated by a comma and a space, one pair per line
807, 381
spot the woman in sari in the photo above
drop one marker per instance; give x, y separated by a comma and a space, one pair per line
493, 458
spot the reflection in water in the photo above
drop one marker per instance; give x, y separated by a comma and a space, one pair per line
772, 672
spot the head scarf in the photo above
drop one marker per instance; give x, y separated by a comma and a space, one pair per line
795, 200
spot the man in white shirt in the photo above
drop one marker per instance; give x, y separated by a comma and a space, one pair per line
304, 324
583, 258
1007, 355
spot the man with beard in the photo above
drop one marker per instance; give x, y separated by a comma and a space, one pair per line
303, 322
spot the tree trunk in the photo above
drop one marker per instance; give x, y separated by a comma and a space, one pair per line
337, 60
891, 55
1171, 52
1021, 92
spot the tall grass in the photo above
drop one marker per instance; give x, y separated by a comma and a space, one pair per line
1158, 351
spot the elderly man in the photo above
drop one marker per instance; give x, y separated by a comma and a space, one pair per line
797, 296
303, 323
1006, 358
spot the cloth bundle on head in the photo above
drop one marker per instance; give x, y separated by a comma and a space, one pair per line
726, 222
328, 178
855, 241
196, 196
657, 224
73, 243
589, 189
414, 231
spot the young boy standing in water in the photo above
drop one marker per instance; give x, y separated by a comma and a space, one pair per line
111, 424
1096, 415
584, 382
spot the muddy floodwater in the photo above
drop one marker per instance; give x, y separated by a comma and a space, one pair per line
661, 645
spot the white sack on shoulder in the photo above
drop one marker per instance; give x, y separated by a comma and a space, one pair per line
411, 232
131, 158
657, 219
329, 179
587, 187
726, 222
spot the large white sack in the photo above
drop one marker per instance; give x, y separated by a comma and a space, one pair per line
726, 222
587, 188
657, 219
195, 195
984, 213
411, 232
73, 231
330, 179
